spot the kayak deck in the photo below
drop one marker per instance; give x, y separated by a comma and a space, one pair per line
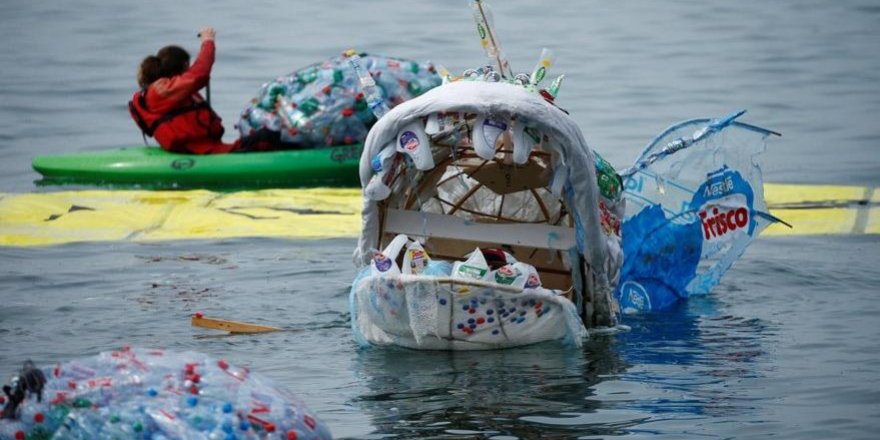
152, 167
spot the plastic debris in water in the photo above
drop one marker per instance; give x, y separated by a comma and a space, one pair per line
148, 393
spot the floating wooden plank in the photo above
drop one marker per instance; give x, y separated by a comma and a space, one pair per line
230, 326
419, 224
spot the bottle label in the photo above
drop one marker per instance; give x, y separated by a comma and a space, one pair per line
491, 130
409, 141
533, 281
418, 260
382, 262
376, 163
468, 271
506, 275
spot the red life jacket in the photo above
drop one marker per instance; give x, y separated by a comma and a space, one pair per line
193, 127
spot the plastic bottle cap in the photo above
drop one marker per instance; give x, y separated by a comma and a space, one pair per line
19, 435
346, 112
199, 315
39, 417
291, 435
359, 96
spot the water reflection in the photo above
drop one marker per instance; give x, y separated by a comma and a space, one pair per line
673, 368
418, 394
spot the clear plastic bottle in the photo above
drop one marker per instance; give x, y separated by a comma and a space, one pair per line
362, 110
413, 141
485, 135
373, 95
12, 430
474, 268
346, 129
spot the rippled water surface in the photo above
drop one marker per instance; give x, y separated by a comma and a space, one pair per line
787, 346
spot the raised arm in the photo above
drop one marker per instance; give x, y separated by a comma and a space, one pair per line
196, 77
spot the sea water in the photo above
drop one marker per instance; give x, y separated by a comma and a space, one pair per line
787, 346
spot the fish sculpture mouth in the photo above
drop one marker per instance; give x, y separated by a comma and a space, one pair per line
464, 173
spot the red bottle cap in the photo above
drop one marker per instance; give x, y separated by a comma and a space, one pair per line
346, 112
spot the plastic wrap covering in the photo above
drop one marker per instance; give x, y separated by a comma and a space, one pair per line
695, 201
436, 313
143, 393
321, 104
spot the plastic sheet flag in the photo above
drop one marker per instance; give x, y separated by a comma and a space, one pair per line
694, 202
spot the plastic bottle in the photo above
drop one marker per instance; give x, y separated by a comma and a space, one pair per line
521, 145
308, 75
432, 124
412, 141
376, 188
383, 263
293, 119
560, 177
362, 110
533, 280
485, 135
375, 100
555, 85
474, 268
382, 161
12, 430
331, 75
544, 63
273, 91
258, 118
347, 129
445, 76
509, 275
394, 92
415, 259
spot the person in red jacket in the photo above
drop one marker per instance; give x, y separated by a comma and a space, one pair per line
169, 108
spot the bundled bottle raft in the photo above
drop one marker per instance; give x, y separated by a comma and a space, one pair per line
151, 393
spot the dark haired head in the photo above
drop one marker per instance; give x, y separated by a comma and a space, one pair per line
168, 62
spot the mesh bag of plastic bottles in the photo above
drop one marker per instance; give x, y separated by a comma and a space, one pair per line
322, 104
148, 393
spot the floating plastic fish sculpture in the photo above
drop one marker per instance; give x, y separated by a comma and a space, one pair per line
148, 393
694, 202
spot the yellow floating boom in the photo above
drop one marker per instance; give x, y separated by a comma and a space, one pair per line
33, 219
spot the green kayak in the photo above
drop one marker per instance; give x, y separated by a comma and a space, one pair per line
152, 167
